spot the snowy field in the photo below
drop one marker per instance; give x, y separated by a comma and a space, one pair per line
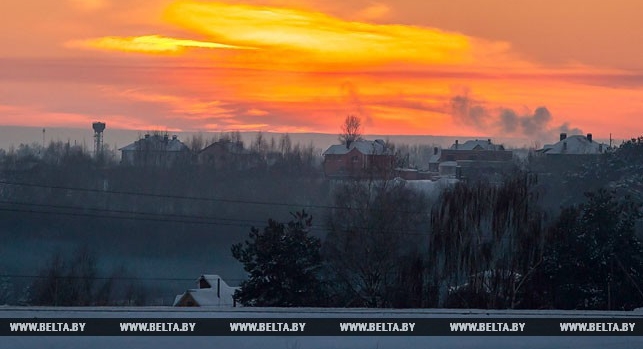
371, 342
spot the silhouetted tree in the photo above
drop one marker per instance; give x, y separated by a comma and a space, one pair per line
373, 235
486, 242
283, 262
74, 281
351, 130
6, 291
594, 260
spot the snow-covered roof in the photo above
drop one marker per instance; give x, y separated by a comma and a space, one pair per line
210, 297
448, 164
427, 186
207, 297
435, 158
376, 147
229, 146
157, 142
212, 279
478, 144
577, 144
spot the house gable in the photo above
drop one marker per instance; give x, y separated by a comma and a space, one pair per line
358, 159
155, 150
212, 292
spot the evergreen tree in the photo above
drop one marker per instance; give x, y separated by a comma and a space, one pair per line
595, 260
282, 262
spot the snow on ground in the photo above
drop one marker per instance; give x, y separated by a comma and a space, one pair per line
429, 187
330, 342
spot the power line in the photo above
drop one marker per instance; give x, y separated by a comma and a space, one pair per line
188, 219
165, 196
182, 218
125, 278
176, 217
198, 198
76, 214
154, 219
160, 218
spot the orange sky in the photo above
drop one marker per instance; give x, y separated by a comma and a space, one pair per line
445, 67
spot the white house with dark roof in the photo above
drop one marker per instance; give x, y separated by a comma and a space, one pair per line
155, 150
472, 153
227, 154
477, 144
212, 291
575, 145
376, 147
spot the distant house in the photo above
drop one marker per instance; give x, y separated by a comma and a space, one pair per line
358, 158
212, 291
472, 153
155, 150
574, 145
227, 154
570, 153
449, 169
477, 145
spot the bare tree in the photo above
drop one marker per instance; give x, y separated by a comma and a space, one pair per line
285, 144
260, 145
351, 129
196, 142
371, 238
486, 242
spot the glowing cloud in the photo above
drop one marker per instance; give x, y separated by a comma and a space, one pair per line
249, 67
324, 37
148, 44
307, 38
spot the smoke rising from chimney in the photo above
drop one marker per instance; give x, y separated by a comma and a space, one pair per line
534, 125
354, 102
468, 111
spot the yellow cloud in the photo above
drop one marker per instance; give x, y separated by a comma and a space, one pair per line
304, 40
292, 62
148, 44
327, 38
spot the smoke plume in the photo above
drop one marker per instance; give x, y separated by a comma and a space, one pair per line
537, 125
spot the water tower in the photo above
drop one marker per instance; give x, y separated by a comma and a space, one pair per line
98, 127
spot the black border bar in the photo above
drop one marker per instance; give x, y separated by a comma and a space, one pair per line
488, 326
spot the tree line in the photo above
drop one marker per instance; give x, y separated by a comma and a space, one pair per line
385, 244
60, 197
477, 245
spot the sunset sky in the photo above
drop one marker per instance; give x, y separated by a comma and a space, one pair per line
527, 69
